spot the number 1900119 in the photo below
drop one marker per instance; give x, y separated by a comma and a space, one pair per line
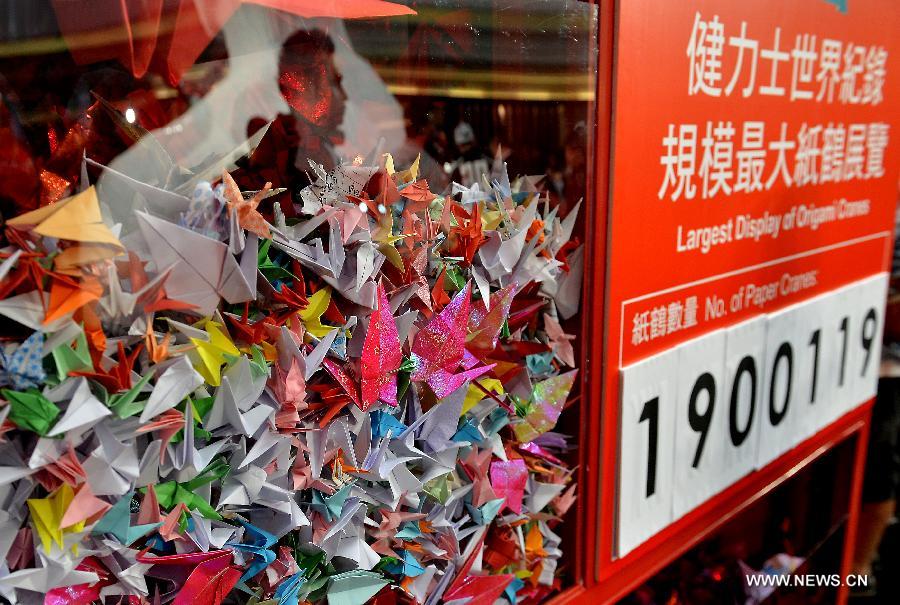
699, 417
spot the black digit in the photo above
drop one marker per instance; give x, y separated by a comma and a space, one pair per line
784, 351
738, 435
814, 342
870, 323
701, 422
843, 329
650, 413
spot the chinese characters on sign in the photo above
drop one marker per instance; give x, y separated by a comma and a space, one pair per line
822, 69
664, 319
727, 157
833, 152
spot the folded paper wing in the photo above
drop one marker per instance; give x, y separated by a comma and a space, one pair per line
160, 200
75, 218
381, 356
203, 269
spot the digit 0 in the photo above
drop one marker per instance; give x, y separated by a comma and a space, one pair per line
787, 353
739, 435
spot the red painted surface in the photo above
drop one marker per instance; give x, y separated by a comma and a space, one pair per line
602, 578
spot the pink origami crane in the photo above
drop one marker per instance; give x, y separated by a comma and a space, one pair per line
485, 325
439, 348
508, 479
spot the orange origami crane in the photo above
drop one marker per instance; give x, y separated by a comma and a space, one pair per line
247, 215
75, 219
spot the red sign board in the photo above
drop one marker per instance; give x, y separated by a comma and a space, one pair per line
754, 173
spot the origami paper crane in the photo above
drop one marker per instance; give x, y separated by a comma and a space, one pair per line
83, 411
70, 354
48, 514
186, 455
248, 216
330, 506
212, 353
480, 590
75, 219
210, 575
438, 349
125, 307
31, 410
560, 341
549, 398
175, 383
68, 296
486, 320
203, 269
288, 591
381, 356
112, 466
258, 543
117, 522
508, 478
22, 368
236, 401
312, 315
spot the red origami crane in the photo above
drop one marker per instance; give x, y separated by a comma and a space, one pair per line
480, 590
381, 356
210, 576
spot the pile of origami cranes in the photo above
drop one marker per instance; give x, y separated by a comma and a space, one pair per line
204, 404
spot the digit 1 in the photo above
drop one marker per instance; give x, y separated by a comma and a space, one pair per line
867, 339
843, 329
775, 417
738, 435
651, 414
701, 422
814, 342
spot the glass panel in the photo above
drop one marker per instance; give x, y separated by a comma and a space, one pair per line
311, 270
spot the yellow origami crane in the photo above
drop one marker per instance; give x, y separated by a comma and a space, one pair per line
47, 514
405, 176
474, 394
383, 235
210, 355
312, 314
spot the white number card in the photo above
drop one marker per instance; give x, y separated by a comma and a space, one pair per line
699, 417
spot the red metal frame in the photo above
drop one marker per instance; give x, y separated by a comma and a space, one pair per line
620, 577
593, 302
601, 578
